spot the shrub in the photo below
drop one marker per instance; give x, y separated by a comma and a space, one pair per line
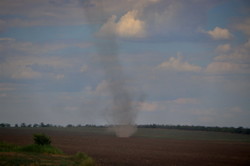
41, 139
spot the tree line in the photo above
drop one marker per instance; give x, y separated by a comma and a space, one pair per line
239, 130
36, 125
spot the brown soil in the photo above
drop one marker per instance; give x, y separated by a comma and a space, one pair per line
108, 150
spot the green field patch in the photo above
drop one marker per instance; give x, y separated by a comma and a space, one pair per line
40, 155
33, 148
30, 159
7, 147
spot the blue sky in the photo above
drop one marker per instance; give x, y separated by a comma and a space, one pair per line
180, 62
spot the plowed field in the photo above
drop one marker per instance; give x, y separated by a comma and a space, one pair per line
142, 149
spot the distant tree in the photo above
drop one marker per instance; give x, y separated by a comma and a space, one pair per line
42, 124
239, 130
49, 125
5, 125
69, 125
23, 125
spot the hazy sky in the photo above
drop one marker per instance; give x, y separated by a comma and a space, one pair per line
185, 61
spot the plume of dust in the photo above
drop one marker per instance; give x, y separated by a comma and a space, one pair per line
122, 112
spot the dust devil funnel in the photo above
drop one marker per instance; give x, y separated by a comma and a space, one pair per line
122, 113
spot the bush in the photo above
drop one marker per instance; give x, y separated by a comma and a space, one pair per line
41, 139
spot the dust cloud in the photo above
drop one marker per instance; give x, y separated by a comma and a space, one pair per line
122, 113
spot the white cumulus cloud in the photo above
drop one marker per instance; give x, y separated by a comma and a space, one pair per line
230, 60
186, 101
84, 68
102, 89
227, 67
244, 26
127, 26
219, 33
223, 48
59, 76
177, 64
148, 106
32, 67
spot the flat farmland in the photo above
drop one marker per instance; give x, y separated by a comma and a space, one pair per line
157, 147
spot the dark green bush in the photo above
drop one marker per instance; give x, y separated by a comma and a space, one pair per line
41, 139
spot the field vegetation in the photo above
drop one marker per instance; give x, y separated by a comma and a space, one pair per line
40, 153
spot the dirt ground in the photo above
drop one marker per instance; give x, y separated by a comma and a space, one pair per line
108, 150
